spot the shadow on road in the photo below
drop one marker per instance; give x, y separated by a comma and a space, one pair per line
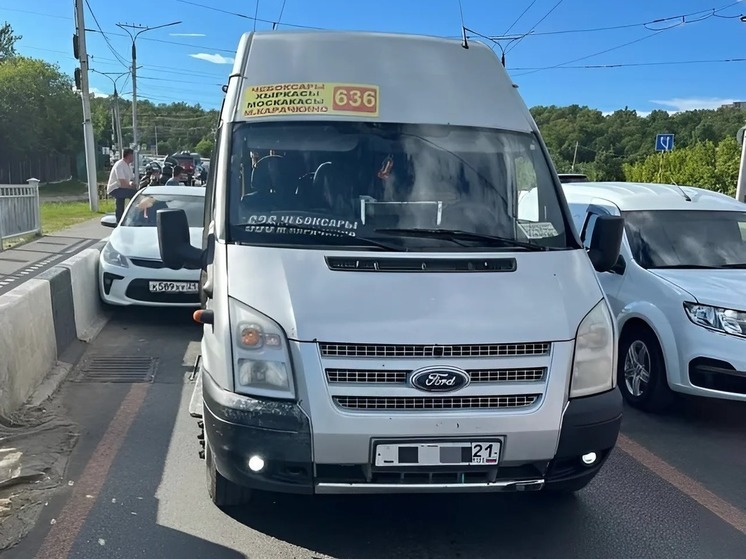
130, 499
124, 521
367, 527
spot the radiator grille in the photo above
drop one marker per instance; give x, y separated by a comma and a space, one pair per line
394, 351
379, 403
355, 376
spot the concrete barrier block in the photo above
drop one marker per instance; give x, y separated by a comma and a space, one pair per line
28, 346
63, 312
90, 316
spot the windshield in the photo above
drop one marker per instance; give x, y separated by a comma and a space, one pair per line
687, 238
341, 183
142, 212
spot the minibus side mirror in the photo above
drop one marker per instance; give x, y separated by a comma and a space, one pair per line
606, 242
174, 241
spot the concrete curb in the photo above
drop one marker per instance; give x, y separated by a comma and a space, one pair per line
42, 319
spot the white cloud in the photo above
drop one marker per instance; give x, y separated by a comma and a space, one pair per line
691, 103
97, 92
187, 34
214, 58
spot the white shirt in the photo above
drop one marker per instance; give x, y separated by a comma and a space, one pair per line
120, 170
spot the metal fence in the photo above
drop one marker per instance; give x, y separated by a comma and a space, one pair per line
47, 167
19, 210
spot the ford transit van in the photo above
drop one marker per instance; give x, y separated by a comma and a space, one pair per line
395, 298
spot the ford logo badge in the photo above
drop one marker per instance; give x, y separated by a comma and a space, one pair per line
440, 379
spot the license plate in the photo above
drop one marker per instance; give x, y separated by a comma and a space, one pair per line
174, 287
438, 454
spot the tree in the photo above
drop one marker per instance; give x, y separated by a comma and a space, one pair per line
204, 147
7, 42
704, 164
39, 111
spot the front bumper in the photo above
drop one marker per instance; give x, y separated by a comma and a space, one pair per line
711, 364
237, 428
130, 286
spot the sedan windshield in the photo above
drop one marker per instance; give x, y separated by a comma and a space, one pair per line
391, 187
142, 212
687, 238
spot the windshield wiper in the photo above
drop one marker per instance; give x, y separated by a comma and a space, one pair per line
327, 235
741, 266
456, 235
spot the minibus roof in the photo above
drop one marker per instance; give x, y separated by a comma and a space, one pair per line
376, 77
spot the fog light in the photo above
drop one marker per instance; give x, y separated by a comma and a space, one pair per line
589, 458
256, 464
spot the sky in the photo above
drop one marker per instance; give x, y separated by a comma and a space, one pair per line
674, 64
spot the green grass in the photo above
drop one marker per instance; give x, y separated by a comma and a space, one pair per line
56, 216
72, 187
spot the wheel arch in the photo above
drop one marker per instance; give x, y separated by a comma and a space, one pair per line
646, 315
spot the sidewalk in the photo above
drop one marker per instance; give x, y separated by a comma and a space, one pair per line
29, 260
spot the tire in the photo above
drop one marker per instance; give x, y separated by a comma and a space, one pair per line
223, 493
641, 371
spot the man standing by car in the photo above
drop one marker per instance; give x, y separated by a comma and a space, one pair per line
122, 184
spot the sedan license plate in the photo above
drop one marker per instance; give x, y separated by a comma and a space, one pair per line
174, 287
438, 454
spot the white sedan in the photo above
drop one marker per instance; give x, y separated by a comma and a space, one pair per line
130, 268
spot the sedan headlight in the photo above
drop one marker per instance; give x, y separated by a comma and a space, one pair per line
113, 258
261, 356
728, 321
594, 362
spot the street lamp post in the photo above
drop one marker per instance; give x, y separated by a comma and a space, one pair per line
117, 120
141, 29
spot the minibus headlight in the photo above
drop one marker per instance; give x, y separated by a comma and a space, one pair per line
594, 360
261, 355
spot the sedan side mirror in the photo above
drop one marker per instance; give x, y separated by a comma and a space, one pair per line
109, 220
174, 241
606, 242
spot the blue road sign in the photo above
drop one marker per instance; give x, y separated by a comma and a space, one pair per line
663, 142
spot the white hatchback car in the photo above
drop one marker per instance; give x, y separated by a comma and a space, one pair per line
678, 290
130, 268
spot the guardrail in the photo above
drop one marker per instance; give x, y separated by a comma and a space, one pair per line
19, 210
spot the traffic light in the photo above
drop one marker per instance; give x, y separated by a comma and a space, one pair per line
76, 47
77, 79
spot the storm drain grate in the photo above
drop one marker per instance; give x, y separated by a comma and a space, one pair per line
118, 369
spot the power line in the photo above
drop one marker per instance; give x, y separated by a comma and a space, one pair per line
279, 18
35, 13
244, 16
256, 13
519, 17
634, 64
108, 43
163, 41
597, 53
535, 26
706, 14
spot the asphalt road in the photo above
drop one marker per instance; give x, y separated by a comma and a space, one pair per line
673, 488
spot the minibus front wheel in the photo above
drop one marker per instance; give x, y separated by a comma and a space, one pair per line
223, 492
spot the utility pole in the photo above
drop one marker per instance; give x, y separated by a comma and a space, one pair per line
140, 30
118, 118
574, 157
79, 48
156, 139
115, 106
741, 186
